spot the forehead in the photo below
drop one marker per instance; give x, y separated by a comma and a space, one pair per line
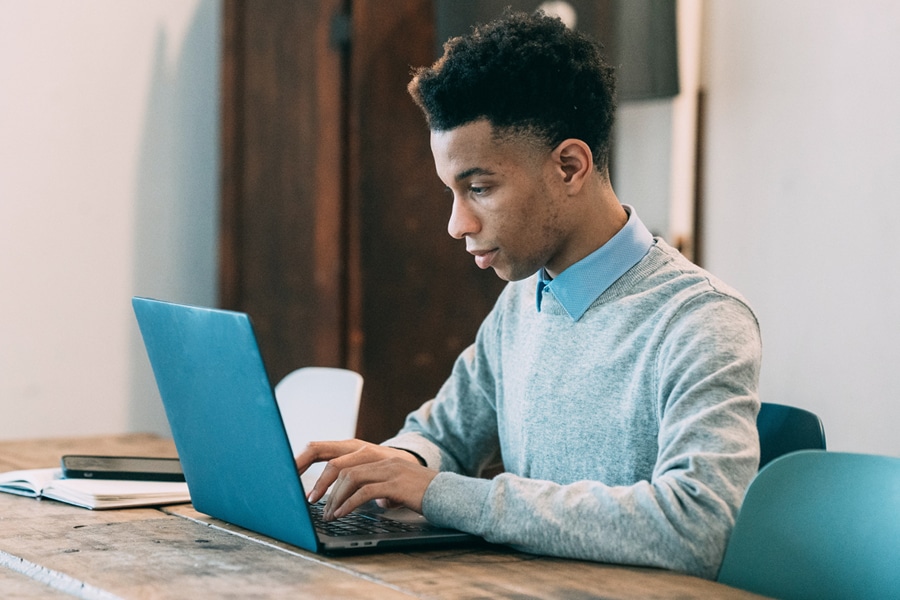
474, 147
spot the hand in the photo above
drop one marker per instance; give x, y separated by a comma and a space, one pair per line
361, 472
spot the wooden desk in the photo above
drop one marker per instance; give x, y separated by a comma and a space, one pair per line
53, 550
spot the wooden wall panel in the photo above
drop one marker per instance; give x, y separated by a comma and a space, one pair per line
333, 220
282, 245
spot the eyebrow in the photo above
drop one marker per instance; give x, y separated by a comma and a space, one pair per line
473, 171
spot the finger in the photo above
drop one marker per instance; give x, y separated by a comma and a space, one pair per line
357, 486
363, 494
346, 484
318, 451
395, 480
320, 488
363, 454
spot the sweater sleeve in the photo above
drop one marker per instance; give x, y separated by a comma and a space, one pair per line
708, 451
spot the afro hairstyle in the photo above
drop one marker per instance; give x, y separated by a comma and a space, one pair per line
526, 74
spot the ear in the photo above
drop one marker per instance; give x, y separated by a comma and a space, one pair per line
576, 162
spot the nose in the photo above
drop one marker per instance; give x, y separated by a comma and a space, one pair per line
462, 222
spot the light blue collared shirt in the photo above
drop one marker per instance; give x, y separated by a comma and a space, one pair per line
581, 284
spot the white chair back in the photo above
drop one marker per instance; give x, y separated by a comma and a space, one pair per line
318, 403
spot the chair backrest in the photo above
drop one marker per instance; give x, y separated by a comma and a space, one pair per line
318, 403
819, 525
784, 429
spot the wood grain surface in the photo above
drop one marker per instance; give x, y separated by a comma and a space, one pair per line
49, 549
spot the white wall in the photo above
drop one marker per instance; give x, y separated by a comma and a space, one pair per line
643, 153
108, 189
654, 164
802, 184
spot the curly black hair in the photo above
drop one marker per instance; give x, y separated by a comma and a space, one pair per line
526, 74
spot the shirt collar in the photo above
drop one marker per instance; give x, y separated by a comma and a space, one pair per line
582, 283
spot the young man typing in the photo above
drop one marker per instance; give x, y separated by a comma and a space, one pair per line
615, 380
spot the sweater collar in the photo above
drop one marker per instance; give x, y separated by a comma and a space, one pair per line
581, 284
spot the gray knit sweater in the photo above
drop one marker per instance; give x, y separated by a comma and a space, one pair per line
628, 436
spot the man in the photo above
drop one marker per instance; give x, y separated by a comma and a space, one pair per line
614, 379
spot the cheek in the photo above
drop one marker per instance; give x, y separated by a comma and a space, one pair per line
549, 212
535, 229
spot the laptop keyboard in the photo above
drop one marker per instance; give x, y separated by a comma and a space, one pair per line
357, 523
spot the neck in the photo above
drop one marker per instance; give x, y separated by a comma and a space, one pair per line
609, 217
598, 216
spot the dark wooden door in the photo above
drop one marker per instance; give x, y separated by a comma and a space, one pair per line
282, 249
333, 221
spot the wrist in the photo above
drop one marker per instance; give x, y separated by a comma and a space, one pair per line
415, 456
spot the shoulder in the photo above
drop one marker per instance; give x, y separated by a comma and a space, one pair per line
706, 293
674, 283
678, 304
704, 318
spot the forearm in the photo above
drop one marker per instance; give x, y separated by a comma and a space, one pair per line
679, 519
665, 524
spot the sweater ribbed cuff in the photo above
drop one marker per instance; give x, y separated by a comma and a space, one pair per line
456, 501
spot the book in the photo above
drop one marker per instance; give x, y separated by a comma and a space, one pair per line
95, 494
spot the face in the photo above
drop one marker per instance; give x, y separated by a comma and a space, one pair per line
508, 200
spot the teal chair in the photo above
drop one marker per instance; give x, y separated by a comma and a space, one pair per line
819, 525
784, 429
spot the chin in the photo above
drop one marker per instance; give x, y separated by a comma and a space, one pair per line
506, 275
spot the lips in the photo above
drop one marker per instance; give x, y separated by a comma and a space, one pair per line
484, 258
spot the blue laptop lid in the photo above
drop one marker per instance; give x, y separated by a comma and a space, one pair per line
224, 419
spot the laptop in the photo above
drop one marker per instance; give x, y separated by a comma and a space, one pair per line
232, 443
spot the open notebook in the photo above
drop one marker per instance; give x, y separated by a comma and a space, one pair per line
92, 493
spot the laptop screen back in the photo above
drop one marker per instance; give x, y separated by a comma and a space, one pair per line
224, 419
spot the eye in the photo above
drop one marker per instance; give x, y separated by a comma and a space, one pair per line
478, 190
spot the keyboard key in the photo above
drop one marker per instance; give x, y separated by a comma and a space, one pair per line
362, 524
